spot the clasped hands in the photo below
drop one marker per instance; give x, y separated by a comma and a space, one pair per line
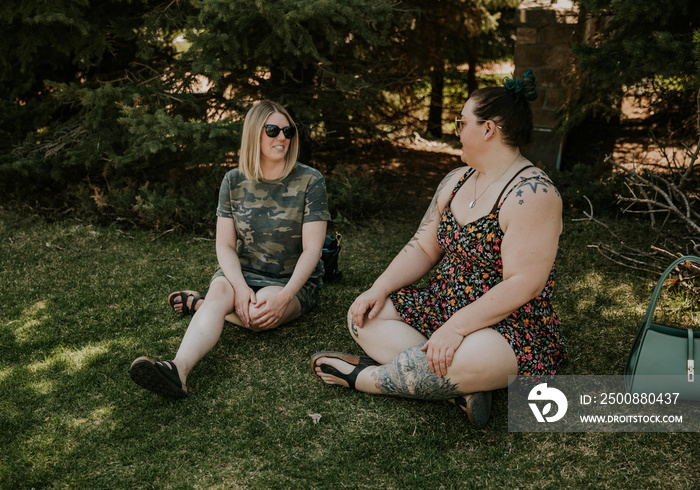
263, 312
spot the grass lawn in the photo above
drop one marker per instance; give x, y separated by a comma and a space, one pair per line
80, 302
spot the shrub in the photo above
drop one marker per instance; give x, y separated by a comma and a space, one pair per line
352, 196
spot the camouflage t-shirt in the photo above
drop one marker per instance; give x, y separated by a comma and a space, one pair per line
268, 217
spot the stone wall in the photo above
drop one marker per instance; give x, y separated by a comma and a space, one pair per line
544, 31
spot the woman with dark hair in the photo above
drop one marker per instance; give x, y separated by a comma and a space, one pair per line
492, 230
270, 229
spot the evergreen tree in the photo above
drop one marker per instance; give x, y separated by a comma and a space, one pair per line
642, 45
94, 107
322, 59
128, 107
458, 32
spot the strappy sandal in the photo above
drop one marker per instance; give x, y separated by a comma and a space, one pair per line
184, 296
159, 377
360, 363
477, 406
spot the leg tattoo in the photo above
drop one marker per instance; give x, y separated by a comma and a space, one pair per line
409, 376
353, 328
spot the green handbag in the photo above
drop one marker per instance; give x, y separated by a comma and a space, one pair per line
662, 359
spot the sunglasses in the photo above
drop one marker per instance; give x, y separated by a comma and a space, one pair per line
273, 130
462, 123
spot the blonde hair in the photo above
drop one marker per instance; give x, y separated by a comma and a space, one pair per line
249, 160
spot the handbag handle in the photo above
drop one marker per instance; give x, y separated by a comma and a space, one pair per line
646, 322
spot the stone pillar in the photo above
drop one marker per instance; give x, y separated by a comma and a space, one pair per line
544, 30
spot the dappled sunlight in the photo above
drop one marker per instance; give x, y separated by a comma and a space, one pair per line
597, 294
42, 446
5, 374
589, 281
42, 386
600, 313
71, 360
98, 417
637, 151
67, 362
417, 142
30, 319
593, 285
622, 306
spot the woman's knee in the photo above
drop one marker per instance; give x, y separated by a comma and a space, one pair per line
483, 362
387, 314
220, 293
219, 286
352, 327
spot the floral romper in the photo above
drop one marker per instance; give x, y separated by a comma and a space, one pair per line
472, 265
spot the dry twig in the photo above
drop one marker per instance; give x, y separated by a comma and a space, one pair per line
670, 207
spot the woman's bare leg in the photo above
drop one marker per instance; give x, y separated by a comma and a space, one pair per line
205, 328
385, 336
481, 363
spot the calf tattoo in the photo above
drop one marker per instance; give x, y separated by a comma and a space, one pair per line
409, 376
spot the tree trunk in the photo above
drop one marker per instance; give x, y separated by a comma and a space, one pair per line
472, 84
437, 82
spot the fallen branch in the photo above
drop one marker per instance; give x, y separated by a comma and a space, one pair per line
162, 234
654, 196
654, 205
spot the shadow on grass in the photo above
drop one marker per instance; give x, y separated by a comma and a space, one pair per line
80, 303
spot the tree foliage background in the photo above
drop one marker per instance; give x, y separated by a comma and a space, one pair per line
648, 52
127, 108
642, 48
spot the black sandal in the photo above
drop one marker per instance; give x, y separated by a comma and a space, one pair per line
159, 377
184, 296
477, 405
360, 363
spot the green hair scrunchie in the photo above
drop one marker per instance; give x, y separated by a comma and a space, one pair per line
524, 88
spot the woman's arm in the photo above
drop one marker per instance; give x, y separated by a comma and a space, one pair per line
313, 234
231, 266
414, 261
532, 222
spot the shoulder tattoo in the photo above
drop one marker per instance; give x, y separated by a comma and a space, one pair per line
530, 186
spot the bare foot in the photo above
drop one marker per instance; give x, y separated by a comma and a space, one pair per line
340, 365
336, 368
193, 300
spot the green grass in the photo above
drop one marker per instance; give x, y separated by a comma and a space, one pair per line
80, 302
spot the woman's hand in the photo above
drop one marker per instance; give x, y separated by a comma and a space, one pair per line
267, 312
369, 300
440, 349
243, 298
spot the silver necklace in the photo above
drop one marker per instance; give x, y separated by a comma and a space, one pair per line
476, 198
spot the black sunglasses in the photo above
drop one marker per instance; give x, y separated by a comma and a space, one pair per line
273, 130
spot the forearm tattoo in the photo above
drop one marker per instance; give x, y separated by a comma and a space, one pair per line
431, 212
409, 376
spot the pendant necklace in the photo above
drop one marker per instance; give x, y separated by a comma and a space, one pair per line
473, 203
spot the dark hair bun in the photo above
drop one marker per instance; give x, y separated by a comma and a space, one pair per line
524, 88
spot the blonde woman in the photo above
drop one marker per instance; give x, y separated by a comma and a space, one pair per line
271, 224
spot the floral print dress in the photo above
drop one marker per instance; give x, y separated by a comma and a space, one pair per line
472, 265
